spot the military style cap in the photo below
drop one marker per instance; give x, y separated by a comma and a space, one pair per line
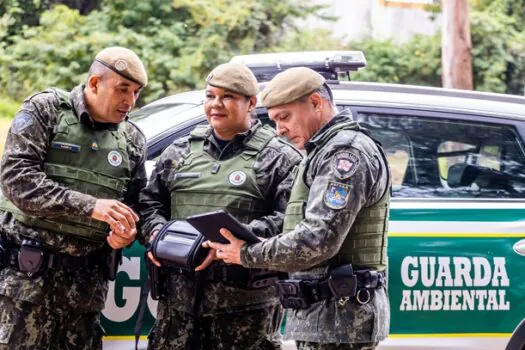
291, 85
123, 62
235, 77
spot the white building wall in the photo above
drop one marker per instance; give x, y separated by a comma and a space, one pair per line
378, 19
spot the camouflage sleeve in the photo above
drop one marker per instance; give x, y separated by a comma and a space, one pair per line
138, 154
154, 199
343, 179
22, 176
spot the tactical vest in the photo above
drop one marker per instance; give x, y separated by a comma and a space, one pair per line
202, 183
83, 160
365, 244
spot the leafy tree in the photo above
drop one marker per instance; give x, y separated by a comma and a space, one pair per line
179, 41
498, 41
46, 43
418, 62
498, 52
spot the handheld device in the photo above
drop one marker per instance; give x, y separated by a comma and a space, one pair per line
210, 223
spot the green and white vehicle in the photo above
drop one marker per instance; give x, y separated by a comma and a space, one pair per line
457, 221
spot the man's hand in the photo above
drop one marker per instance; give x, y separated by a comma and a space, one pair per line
150, 254
229, 253
212, 255
117, 242
119, 216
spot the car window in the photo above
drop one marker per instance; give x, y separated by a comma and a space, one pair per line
440, 157
451, 152
158, 118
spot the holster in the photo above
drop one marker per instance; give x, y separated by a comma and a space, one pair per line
31, 257
155, 280
179, 245
113, 261
342, 283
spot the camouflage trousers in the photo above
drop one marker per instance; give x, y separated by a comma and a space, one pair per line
26, 326
304, 345
247, 330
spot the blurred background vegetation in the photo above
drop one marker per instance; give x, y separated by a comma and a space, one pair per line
52, 43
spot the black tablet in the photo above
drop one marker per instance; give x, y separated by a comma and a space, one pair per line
210, 223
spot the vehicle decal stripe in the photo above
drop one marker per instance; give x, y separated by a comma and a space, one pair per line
467, 215
457, 235
448, 204
467, 228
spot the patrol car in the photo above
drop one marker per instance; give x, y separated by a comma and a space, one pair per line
458, 203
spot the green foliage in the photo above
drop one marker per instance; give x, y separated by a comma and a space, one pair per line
8, 107
498, 46
180, 41
43, 43
498, 52
418, 62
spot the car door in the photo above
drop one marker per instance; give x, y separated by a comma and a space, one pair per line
458, 207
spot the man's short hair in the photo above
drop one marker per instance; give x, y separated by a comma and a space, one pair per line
324, 91
98, 69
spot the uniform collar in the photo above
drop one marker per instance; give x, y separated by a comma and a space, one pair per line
240, 137
341, 117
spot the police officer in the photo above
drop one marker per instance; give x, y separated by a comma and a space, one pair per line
335, 229
238, 165
71, 170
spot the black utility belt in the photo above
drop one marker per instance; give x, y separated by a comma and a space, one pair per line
342, 283
31, 258
233, 275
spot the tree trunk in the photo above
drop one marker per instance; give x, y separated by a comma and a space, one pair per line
455, 45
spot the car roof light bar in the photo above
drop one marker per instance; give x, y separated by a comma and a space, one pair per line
328, 63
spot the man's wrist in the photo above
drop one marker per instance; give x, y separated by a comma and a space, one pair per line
84, 203
244, 255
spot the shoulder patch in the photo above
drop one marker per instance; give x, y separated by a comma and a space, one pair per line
22, 120
344, 165
336, 195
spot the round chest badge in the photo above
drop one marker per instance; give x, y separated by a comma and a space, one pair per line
237, 178
114, 158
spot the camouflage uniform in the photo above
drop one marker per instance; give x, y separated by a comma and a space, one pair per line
55, 308
231, 317
306, 250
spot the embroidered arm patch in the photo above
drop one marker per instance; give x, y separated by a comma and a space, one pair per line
336, 195
22, 120
344, 165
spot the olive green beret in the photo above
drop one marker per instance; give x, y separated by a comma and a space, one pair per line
291, 85
235, 77
125, 63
